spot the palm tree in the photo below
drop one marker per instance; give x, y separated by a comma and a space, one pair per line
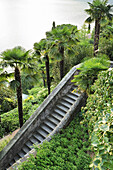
41, 52
61, 40
18, 59
98, 11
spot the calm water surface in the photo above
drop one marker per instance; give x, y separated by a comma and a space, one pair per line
24, 22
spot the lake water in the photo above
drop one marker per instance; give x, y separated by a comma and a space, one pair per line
24, 22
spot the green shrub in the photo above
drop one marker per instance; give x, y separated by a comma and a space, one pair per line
7, 99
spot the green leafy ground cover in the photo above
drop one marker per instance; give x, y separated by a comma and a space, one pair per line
67, 150
98, 114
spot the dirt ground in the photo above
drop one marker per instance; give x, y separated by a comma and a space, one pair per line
10, 135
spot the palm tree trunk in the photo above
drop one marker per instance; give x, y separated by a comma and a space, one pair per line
97, 34
44, 83
61, 50
89, 28
19, 96
47, 73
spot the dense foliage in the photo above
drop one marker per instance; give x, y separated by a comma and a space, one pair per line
98, 113
9, 120
106, 40
7, 99
67, 150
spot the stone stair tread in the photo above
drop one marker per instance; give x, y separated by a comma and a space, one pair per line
50, 124
38, 136
26, 149
53, 119
29, 143
17, 157
21, 153
68, 99
65, 103
74, 92
60, 112
72, 96
42, 132
57, 116
34, 140
62, 107
46, 128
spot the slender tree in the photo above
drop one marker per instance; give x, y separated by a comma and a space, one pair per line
98, 11
41, 52
18, 59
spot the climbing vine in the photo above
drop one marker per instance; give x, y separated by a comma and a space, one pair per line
98, 113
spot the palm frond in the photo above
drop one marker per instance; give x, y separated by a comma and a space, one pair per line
14, 84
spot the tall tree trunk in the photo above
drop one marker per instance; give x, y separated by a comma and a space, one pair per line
61, 50
47, 73
53, 27
96, 37
44, 83
89, 28
19, 96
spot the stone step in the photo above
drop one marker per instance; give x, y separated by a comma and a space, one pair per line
53, 119
50, 124
39, 137
72, 96
62, 107
42, 132
57, 116
66, 103
46, 128
74, 92
34, 140
17, 157
21, 153
60, 112
68, 99
26, 149
29, 144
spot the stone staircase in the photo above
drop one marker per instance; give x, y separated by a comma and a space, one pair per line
55, 113
49, 124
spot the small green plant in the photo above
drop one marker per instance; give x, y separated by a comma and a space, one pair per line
89, 70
